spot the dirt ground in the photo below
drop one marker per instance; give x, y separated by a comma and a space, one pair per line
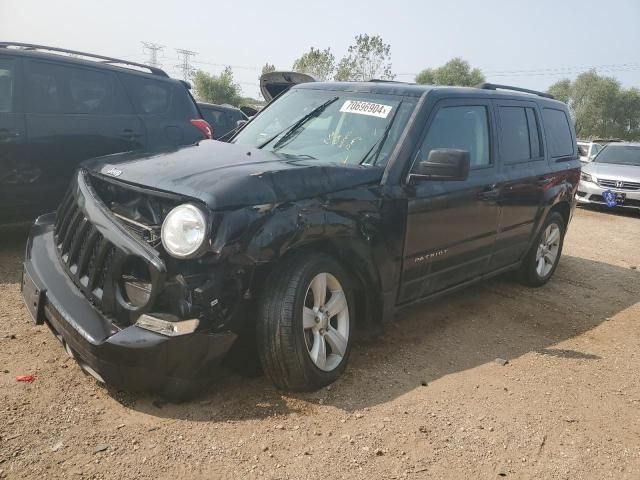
427, 400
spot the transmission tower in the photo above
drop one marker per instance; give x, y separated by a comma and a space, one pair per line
185, 65
153, 49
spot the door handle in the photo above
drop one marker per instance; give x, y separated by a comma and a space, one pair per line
490, 192
542, 181
130, 134
6, 133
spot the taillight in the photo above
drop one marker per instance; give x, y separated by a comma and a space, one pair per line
203, 126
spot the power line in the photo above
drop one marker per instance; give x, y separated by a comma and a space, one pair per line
617, 67
153, 49
185, 65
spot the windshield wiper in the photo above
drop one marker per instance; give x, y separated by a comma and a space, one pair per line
289, 131
380, 142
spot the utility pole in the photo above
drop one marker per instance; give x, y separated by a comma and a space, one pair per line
185, 66
153, 49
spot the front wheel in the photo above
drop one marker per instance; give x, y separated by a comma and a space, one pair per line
540, 263
305, 324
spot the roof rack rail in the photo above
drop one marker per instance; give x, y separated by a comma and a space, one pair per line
381, 80
101, 58
495, 86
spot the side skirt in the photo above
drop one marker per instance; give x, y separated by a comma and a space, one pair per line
457, 287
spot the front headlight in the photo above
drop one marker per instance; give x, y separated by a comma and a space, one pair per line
184, 230
585, 177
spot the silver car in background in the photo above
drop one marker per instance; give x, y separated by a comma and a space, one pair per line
613, 178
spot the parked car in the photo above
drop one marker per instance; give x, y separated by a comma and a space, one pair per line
338, 205
613, 178
222, 118
57, 110
588, 149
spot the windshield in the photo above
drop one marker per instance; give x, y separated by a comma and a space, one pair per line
620, 154
330, 127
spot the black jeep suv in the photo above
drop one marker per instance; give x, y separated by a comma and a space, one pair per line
59, 107
334, 207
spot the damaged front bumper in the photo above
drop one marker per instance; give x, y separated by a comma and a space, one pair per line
123, 355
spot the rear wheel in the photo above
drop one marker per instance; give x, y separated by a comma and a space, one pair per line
305, 323
541, 262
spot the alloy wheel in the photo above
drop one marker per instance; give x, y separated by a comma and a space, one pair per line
325, 320
547, 253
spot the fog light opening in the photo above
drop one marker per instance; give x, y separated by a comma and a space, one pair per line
135, 282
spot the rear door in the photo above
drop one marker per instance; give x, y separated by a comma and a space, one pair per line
526, 177
165, 108
12, 136
451, 225
73, 113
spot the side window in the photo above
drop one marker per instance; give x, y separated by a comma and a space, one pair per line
90, 91
519, 135
534, 133
148, 95
7, 84
44, 90
55, 88
465, 128
556, 126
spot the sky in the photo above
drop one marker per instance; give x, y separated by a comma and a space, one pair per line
525, 43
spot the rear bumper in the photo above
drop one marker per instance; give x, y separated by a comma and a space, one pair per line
129, 358
591, 193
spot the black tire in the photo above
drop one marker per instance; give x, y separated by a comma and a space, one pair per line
280, 333
528, 274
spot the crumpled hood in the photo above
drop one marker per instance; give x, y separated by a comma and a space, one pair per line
226, 176
612, 171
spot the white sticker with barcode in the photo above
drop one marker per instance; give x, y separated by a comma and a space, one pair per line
366, 108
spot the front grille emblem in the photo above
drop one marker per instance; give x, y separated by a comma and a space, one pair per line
619, 184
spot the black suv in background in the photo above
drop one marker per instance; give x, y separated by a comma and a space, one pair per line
333, 208
59, 107
222, 118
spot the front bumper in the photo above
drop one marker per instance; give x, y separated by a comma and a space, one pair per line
129, 358
590, 193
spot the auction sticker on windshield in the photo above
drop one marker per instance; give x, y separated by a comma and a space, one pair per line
366, 108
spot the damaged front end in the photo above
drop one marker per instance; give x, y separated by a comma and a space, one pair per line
132, 315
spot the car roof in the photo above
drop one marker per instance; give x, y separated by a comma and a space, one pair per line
417, 90
623, 144
132, 68
216, 105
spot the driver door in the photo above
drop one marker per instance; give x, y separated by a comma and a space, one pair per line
452, 225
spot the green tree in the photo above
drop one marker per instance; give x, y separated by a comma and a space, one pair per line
320, 64
561, 90
455, 72
600, 106
267, 68
368, 58
217, 88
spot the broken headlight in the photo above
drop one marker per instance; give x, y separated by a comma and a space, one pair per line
184, 231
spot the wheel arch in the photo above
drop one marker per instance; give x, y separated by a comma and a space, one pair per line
362, 277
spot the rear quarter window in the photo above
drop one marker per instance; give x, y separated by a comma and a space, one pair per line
558, 130
148, 95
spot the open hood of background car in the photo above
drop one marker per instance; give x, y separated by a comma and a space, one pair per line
273, 84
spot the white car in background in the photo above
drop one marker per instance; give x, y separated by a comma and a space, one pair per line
588, 149
612, 178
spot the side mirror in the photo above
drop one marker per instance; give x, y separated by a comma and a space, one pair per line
443, 164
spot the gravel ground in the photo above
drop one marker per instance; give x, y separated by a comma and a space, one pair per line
427, 400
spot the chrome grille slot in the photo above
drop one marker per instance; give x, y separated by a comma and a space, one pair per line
619, 184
